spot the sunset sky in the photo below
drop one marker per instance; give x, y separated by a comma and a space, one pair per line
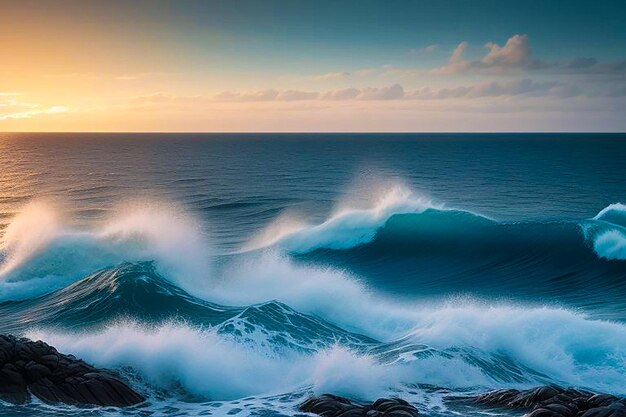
436, 65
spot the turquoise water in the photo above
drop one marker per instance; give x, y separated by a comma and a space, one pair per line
241, 273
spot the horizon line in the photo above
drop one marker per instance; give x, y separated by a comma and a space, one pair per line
164, 132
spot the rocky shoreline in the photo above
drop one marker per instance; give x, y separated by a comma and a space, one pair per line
550, 401
38, 369
546, 401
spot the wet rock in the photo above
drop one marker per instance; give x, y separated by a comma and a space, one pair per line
552, 401
329, 405
28, 367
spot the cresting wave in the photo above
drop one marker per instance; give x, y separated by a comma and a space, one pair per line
294, 313
348, 226
406, 216
611, 244
460, 345
40, 250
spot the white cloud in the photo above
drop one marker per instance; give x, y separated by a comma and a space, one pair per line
514, 53
26, 114
456, 63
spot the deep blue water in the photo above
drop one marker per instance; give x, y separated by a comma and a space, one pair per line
225, 272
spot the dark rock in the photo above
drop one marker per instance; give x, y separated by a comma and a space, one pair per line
329, 405
551, 401
28, 367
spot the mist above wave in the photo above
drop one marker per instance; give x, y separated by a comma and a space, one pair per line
351, 223
43, 251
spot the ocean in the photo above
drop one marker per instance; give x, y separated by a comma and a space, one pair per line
238, 274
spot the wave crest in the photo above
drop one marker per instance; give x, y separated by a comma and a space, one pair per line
42, 252
347, 227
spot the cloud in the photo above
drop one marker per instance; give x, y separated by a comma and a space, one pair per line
343, 94
262, 95
343, 75
295, 95
93, 76
456, 63
483, 89
267, 95
333, 76
27, 114
480, 92
394, 92
163, 98
524, 87
514, 53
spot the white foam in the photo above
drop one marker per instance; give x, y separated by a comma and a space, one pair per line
566, 346
326, 292
212, 366
611, 244
42, 252
615, 209
351, 223
562, 344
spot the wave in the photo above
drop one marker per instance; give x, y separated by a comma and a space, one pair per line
611, 244
470, 347
436, 253
314, 316
347, 227
42, 251
173, 339
207, 364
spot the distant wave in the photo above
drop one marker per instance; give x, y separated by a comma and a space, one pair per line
402, 216
611, 243
346, 228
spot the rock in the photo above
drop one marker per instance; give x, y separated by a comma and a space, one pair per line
552, 401
28, 367
329, 405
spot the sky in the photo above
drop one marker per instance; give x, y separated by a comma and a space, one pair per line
312, 66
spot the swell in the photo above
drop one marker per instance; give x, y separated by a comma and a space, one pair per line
312, 323
220, 352
136, 292
128, 317
440, 253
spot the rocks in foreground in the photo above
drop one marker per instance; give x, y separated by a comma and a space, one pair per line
328, 405
28, 367
556, 402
